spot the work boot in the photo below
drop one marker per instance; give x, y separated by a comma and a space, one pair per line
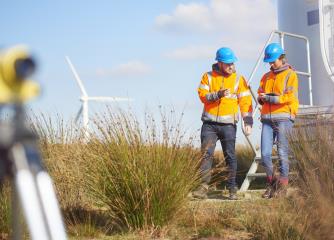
201, 192
271, 187
233, 193
269, 191
280, 189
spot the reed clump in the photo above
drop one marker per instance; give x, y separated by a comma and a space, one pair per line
312, 146
141, 177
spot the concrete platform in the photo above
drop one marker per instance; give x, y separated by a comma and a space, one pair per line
249, 195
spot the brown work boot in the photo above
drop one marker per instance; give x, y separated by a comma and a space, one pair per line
269, 187
269, 191
280, 188
233, 194
201, 192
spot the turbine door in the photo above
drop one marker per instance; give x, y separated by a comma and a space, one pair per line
326, 15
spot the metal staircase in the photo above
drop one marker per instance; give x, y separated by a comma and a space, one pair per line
252, 172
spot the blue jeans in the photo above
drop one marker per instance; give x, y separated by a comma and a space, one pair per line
210, 134
276, 130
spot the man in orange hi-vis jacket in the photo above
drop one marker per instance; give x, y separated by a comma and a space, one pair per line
223, 92
278, 95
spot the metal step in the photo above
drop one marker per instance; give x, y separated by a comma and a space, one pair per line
252, 174
258, 159
255, 175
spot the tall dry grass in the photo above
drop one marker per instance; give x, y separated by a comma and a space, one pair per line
260, 220
312, 146
142, 176
5, 210
307, 212
276, 219
137, 176
127, 176
61, 145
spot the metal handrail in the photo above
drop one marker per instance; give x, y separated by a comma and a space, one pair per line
257, 106
281, 35
308, 74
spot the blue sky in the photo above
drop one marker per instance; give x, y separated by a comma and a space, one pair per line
152, 51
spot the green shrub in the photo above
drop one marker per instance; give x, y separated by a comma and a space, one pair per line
143, 177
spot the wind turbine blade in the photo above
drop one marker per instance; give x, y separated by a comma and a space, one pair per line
78, 114
77, 78
109, 99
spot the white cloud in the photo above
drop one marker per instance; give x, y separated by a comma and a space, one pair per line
192, 16
191, 52
129, 69
243, 25
244, 16
236, 15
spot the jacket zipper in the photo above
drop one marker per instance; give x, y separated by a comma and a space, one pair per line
222, 85
272, 90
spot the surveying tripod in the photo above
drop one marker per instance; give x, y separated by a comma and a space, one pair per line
20, 159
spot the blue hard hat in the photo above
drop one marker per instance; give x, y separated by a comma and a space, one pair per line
225, 55
272, 52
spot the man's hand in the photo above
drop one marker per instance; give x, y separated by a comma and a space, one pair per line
247, 130
223, 92
262, 98
268, 97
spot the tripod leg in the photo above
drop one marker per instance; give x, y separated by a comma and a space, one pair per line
32, 210
50, 205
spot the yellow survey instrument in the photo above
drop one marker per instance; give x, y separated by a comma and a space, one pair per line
16, 66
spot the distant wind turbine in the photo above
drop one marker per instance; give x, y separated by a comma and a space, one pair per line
85, 98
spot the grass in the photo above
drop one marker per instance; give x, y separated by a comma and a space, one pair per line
5, 210
142, 177
224, 220
131, 181
312, 146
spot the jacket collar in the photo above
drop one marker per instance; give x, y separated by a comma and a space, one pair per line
282, 68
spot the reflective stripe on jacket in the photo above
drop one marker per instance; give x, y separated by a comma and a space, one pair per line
225, 109
283, 87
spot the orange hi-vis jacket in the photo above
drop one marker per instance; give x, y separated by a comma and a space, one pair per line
283, 90
225, 109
